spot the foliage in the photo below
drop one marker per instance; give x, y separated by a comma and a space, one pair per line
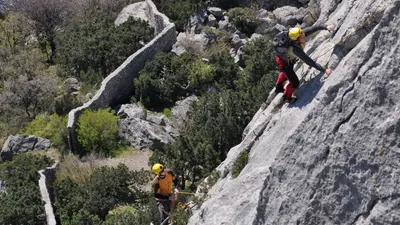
258, 77
226, 4
22, 203
240, 163
226, 71
108, 189
128, 214
52, 127
24, 98
98, 131
200, 74
179, 11
96, 47
167, 113
244, 19
163, 80
222, 36
216, 125
15, 31
48, 16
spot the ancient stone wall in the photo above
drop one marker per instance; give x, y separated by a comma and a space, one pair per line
118, 86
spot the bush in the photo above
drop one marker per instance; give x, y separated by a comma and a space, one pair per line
167, 113
98, 131
226, 70
244, 19
52, 127
240, 163
179, 11
163, 80
108, 189
201, 74
96, 47
22, 202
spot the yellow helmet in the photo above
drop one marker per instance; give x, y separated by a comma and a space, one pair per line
295, 33
157, 168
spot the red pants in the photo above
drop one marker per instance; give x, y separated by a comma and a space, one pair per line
287, 73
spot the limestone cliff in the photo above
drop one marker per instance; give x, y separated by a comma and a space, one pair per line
333, 157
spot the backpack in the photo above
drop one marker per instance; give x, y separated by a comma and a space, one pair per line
281, 42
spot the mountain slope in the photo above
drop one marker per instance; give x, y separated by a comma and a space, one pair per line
334, 156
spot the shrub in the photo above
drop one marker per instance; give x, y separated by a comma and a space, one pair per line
240, 163
52, 127
98, 131
96, 47
244, 19
163, 80
200, 74
22, 203
167, 113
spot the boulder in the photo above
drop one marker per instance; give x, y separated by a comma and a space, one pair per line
137, 10
143, 134
289, 16
179, 113
72, 85
195, 22
211, 21
192, 42
18, 144
131, 111
215, 11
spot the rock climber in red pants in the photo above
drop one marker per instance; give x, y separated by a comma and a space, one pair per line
289, 47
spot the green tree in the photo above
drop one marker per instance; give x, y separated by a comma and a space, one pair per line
258, 77
164, 80
98, 131
179, 11
15, 31
244, 19
216, 125
109, 187
96, 47
48, 16
226, 70
22, 203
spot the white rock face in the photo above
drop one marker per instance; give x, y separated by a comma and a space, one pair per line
136, 10
333, 157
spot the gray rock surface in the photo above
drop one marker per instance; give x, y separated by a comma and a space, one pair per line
18, 144
179, 113
131, 111
152, 130
333, 157
215, 11
143, 134
137, 10
71, 85
191, 42
195, 22
288, 15
211, 21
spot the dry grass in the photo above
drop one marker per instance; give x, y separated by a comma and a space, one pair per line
79, 170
